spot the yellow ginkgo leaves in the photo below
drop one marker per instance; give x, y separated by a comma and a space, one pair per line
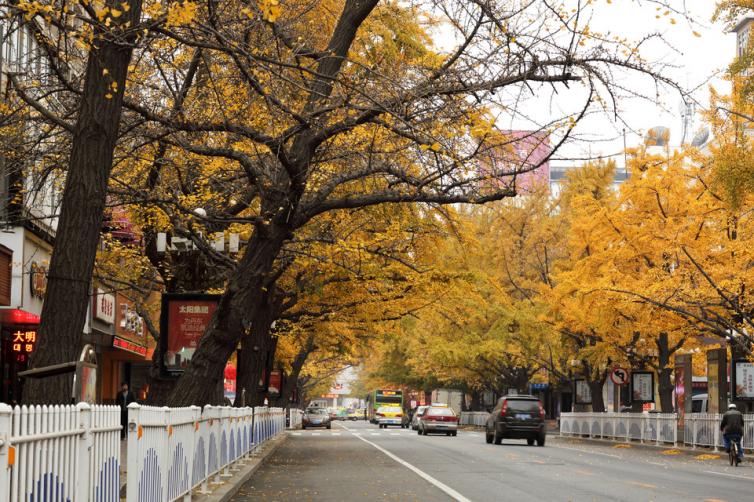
181, 13
270, 9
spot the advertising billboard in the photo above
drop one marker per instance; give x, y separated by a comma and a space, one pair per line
642, 387
183, 320
582, 393
743, 381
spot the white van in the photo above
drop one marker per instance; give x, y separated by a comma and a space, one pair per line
699, 403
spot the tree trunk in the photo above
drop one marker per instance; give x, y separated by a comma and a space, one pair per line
258, 352
665, 387
94, 138
244, 298
598, 403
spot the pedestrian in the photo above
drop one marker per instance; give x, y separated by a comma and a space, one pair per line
125, 397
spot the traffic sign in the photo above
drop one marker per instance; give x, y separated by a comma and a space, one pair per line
619, 376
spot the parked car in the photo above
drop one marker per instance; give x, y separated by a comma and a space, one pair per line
316, 417
356, 414
389, 415
417, 415
438, 419
700, 403
517, 417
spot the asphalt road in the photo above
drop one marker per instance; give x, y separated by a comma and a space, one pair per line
356, 461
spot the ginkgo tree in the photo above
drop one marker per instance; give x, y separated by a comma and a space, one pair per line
271, 115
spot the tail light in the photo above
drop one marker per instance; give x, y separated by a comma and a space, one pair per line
452, 419
541, 412
399, 415
504, 409
380, 414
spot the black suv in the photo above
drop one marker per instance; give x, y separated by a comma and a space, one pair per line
516, 417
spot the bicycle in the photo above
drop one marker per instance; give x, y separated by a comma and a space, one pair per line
733, 453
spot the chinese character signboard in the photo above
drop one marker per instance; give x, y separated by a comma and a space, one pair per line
104, 307
642, 387
276, 377
183, 320
743, 381
130, 332
23, 342
582, 392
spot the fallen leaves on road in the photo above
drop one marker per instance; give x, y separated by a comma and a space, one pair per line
622, 445
707, 456
672, 451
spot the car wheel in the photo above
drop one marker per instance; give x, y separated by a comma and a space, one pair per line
487, 437
447, 434
498, 438
329, 426
303, 426
530, 441
541, 440
454, 434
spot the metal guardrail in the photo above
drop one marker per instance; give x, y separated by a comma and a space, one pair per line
295, 418
699, 429
656, 427
477, 418
70, 451
172, 451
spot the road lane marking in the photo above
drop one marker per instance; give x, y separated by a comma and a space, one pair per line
643, 485
730, 475
395, 433
315, 433
374, 433
335, 433
438, 484
587, 451
297, 433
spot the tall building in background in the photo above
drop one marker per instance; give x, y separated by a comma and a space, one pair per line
521, 163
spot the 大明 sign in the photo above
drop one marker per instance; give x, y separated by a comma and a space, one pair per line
619, 376
104, 308
183, 320
643, 387
23, 341
743, 380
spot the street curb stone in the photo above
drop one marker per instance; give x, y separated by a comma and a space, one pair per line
232, 486
685, 450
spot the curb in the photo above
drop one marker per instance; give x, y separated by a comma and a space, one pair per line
232, 486
685, 450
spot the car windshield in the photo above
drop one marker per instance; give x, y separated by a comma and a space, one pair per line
523, 405
441, 412
317, 411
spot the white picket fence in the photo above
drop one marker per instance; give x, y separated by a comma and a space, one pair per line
699, 429
655, 427
295, 418
172, 451
61, 453
477, 418
703, 429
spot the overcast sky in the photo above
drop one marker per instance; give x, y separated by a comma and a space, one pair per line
694, 62
699, 61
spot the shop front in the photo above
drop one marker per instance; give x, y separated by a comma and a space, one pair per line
125, 360
24, 258
19, 338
